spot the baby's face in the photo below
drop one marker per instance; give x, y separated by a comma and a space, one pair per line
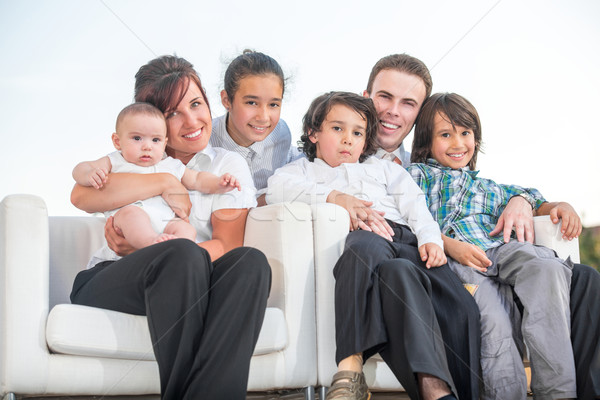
141, 139
342, 136
451, 146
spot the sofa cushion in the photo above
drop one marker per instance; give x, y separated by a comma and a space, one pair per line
95, 332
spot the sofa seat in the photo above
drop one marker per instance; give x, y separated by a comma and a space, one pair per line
94, 332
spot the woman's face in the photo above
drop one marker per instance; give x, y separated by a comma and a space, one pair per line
189, 126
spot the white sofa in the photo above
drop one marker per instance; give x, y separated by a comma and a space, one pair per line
50, 347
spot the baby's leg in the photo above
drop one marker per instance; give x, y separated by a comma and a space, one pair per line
136, 226
178, 228
501, 362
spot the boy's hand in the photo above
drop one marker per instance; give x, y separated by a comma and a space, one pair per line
571, 223
228, 182
362, 216
517, 214
97, 177
468, 255
432, 254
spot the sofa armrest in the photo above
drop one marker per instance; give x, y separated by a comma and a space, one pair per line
284, 233
24, 287
548, 234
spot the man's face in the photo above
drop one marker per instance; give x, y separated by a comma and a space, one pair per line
398, 97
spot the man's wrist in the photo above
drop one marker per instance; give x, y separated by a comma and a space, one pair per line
529, 198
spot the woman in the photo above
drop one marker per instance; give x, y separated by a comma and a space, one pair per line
204, 316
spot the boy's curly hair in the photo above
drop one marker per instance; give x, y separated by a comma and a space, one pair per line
320, 107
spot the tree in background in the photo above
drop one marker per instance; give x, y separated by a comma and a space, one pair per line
589, 247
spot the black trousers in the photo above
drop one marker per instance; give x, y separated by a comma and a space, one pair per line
585, 329
420, 320
204, 317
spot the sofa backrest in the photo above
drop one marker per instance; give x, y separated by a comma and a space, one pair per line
72, 242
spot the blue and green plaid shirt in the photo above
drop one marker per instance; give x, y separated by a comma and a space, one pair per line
466, 207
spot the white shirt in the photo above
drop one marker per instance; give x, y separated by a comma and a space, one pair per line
263, 157
400, 152
219, 161
386, 184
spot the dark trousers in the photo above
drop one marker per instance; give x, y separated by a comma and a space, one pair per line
204, 317
585, 329
419, 320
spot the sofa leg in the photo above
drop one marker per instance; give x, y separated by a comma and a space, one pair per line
9, 396
309, 392
323, 392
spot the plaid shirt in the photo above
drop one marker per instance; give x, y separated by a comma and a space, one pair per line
466, 207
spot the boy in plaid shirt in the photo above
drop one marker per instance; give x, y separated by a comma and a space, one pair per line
467, 208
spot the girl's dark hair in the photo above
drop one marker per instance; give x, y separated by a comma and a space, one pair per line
455, 109
320, 107
164, 81
250, 63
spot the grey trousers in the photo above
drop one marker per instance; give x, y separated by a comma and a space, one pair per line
542, 283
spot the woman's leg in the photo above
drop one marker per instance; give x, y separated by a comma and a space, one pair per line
239, 289
585, 329
172, 283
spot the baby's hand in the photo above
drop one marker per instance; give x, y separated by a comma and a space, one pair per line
228, 182
571, 223
97, 177
432, 254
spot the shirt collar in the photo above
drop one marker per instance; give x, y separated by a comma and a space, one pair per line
203, 159
435, 163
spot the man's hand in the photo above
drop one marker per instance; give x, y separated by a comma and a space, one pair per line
362, 216
432, 255
517, 214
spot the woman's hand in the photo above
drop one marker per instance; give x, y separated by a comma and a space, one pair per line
115, 239
467, 254
432, 255
517, 214
362, 216
178, 198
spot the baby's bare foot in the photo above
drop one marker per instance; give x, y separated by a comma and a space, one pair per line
163, 237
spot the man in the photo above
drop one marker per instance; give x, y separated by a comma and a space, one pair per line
399, 85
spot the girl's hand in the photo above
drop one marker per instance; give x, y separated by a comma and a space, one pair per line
468, 254
115, 240
362, 216
432, 254
571, 223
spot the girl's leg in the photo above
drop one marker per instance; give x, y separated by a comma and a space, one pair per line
135, 224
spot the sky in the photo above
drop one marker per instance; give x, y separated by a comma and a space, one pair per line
530, 68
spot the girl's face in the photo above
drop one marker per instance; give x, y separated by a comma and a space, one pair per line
342, 136
189, 126
255, 108
451, 146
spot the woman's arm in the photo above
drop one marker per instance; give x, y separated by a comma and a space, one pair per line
122, 189
228, 227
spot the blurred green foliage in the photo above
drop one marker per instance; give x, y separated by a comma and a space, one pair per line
589, 247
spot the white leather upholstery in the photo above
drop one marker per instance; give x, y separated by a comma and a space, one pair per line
77, 350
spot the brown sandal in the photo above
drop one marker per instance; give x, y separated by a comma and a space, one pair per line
348, 385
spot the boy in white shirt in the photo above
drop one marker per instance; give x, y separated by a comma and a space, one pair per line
383, 303
140, 140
